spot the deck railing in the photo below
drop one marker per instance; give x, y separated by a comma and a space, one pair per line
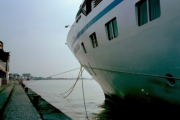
84, 12
96, 2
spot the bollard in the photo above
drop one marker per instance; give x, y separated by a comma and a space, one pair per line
26, 89
35, 99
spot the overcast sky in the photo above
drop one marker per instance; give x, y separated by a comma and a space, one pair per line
34, 33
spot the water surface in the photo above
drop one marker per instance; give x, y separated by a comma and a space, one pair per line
73, 105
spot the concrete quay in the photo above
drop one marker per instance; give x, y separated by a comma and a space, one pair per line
5, 92
15, 105
17, 102
3, 87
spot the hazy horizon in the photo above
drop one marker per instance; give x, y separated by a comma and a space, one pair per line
35, 35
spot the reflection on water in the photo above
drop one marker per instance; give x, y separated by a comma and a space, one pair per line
97, 109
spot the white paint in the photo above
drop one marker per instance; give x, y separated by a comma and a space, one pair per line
151, 49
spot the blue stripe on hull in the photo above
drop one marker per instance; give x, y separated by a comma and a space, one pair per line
95, 19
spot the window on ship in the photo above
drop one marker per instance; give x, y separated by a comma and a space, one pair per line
148, 10
82, 44
154, 9
94, 40
111, 29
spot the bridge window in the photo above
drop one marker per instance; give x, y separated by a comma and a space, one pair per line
93, 40
112, 29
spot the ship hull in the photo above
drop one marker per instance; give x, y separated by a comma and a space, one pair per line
137, 62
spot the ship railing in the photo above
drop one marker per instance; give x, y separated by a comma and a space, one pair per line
96, 2
84, 12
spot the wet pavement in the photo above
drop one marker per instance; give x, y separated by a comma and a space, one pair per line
19, 106
3, 87
6, 90
15, 105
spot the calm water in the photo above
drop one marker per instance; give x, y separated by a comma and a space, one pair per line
97, 109
73, 105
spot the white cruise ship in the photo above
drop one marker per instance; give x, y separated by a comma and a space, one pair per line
130, 47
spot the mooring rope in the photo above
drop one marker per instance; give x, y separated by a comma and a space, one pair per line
72, 88
64, 72
55, 75
84, 97
73, 84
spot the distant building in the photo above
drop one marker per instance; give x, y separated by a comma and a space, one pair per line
39, 78
4, 65
10, 75
26, 75
31, 77
15, 76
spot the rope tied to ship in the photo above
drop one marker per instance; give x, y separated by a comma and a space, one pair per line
84, 97
65, 72
72, 88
